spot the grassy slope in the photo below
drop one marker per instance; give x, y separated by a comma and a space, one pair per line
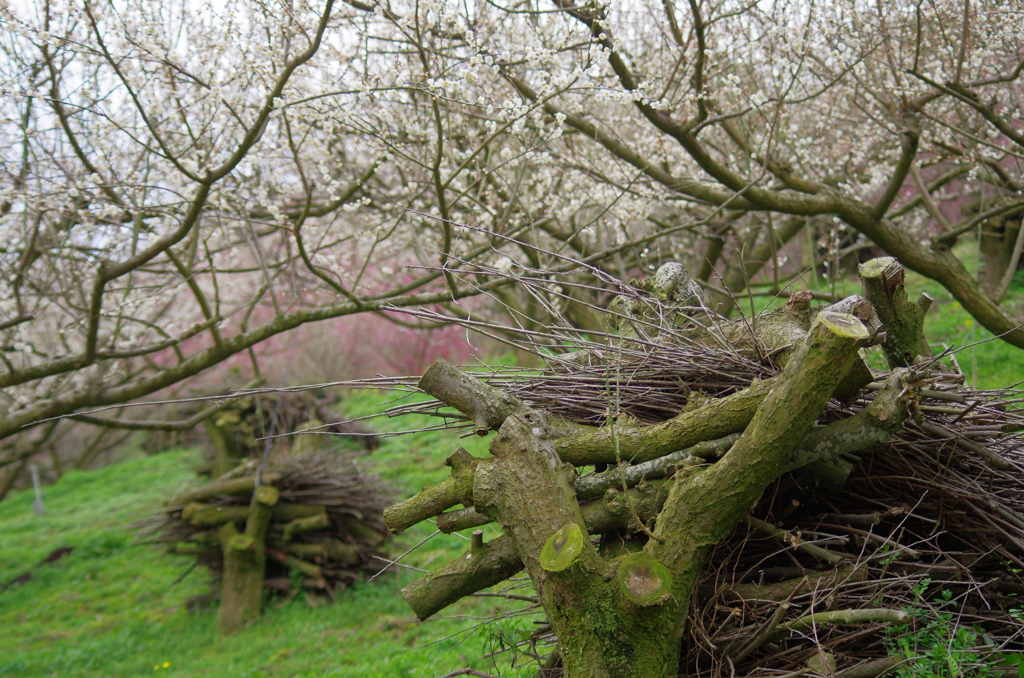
110, 608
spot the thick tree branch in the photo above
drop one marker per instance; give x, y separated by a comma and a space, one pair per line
15, 420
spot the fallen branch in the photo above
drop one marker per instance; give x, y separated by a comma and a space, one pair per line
485, 405
718, 418
457, 489
589, 487
221, 486
478, 569
789, 539
307, 524
809, 621
203, 516
306, 568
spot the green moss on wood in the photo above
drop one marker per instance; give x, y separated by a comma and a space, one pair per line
562, 549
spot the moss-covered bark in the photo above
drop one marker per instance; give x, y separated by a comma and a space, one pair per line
474, 571
717, 419
882, 279
225, 450
337, 550
244, 564
317, 521
702, 508
624, 622
597, 484
478, 569
457, 489
819, 453
601, 634
485, 405
295, 563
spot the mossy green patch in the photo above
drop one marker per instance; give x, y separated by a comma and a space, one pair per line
562, 549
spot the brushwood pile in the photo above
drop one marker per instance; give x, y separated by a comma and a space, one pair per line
896, 523
299, 515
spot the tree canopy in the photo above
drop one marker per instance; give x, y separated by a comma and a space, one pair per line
183, 180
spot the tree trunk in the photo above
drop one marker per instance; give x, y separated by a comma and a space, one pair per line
753, 259
597, 637
997, 243
8, 478
245, 561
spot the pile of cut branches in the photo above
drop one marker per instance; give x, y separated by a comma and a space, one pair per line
274, 413
246, 421
313, 513
277, 422
894, 522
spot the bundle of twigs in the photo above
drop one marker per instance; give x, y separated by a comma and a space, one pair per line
260, 414
651, 382
326, 521
288, 411
956, 518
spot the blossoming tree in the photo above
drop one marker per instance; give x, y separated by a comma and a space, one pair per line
183, 180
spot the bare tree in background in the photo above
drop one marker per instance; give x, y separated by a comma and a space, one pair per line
182, 181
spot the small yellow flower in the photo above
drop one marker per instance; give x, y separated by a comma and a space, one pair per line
167, 664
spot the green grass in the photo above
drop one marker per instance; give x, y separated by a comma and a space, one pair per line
986, 361
942, 647
112, 608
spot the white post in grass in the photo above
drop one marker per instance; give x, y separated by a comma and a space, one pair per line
37, 505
